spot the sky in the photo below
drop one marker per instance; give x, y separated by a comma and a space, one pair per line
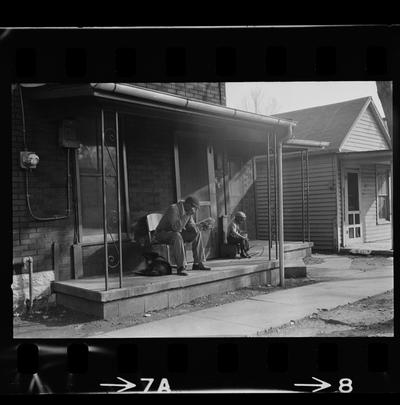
279, 97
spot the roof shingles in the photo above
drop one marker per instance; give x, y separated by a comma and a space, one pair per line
329, 123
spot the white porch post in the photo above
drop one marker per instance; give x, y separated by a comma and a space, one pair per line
391, 200
280, 218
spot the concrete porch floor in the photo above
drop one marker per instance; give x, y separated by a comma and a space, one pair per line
141, 293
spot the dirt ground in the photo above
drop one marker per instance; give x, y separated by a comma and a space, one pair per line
371, 316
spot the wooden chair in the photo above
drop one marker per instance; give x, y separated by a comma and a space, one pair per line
161, 248
226, 250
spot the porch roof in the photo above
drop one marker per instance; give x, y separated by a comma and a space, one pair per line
129, 93
154, 97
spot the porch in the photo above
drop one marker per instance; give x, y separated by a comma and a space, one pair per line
382, 247
140, 294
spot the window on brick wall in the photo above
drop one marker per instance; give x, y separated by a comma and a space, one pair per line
383, 195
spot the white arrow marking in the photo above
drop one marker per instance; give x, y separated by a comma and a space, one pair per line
321, 386
127, 386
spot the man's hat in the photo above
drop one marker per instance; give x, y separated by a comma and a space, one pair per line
193, 201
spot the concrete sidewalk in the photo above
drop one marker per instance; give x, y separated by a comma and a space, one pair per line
338, 284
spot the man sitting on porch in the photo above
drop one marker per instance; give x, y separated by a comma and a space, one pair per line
176, 227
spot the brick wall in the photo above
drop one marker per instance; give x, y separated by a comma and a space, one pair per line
209, 92
47, 189
151, 171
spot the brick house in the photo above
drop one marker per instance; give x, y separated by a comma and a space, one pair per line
174, 139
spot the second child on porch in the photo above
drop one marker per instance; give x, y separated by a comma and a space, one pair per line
236, 236
176, 227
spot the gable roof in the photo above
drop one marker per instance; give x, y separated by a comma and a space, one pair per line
333, 122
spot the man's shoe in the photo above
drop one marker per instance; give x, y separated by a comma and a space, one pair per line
200, 266
181, 272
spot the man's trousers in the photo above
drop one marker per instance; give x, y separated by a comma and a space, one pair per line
176, 241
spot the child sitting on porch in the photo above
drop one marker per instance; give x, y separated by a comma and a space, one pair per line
235, 236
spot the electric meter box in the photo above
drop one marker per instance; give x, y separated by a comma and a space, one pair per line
68, 134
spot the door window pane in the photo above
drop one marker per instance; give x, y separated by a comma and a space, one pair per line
88, 158
92, 205
358, 234
351, 219
91, 192
382, 179
357, 218
352, 187
382, 184
351, 233
383, 207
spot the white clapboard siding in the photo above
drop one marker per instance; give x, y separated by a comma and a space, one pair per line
372, 230
365, 135
322, 204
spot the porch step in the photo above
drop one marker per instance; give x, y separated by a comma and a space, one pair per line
295, 268
366, 252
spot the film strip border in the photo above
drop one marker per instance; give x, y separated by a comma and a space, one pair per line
276, 54
329, 53
226, 365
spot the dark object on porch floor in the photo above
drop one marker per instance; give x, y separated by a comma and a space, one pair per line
228, 251
154, 265
152, 221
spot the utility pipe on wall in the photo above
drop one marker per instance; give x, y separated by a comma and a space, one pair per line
29, 260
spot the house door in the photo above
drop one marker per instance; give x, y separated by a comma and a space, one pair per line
194, 166
353, 231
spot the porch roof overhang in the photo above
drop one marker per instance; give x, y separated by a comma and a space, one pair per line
294, 145
374, 156
134, 94
149, 100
